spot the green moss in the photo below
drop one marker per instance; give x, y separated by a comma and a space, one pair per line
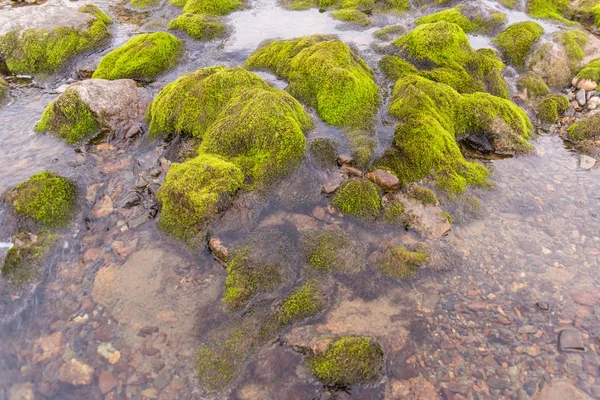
448, 216
517, 40
512, 4
398, 6
362, 144
389, 32
216, 367
143, 57
574, 42
326, 74
325, 151
401, 263
422, 195
209, 7
247, 277
45, 197
22, 261
551, 106
96, 12
349, 360
549, 9
584, 129
201, 27
3, 89
305, 301
533, 84
591, 71
40, 51
585, 11
393, 212
351, 15
478, 22
359, 199
325, 250
69, 118
144, 4
193, 192
394, 67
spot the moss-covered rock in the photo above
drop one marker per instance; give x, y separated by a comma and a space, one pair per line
584, 129
45, 197
352, 15
470, 19
400, 263
22, 261
551, 106
358, 198
585, 11
389, 32
3, 90
194, 192
208, 7
304, 301
549, 9
533, 85
394, 67
144, 5
591, 71
574, 42
349, 360
332, 251
325, 151
422, 195
43, 39
517, 40
143, 57
201, 27
397, 6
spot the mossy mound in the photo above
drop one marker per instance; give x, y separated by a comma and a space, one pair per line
477, 22
22, 261
144, 5
325, 151
34, 51
238, 116
574, 42
349, 360
200, 27
304, 301
394, 67
400, 263
69, 118
533, 85
389, 32
591, 71
393, 213
143, 57
517, 40
208, 7
433, 116
422, 195
445, 54
551, 106
331, 251
193, 192
45, 197
358, 198
352, 15
397, 6
584, 129
549, 9
326, 74
585, 11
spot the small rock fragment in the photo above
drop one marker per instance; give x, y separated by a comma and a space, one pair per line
218, 249
580, 97
333, 184
569, 340
385, 179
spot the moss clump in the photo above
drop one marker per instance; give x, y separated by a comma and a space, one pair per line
533, 84
327, 251
398, 6
359, 199
323, 72
349, 360
389, 32
584, 129
325, 151
69, 118
551, 106
144, 4
517, 40
479, 22
40, 51
303, 302
394, 67
209, 7
22, 261
585, 11
246, 277
45, 197
549, 9
512, 4
351, 15
216, 367
3, 89
401, 263
393, 212
193, 192
143, 57
574, 42
201, 27
422, 195
591, 71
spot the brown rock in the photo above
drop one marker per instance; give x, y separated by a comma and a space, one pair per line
106, 382
103, 207
477, 305
345, 169
385, 179
48, 348
560, 389
414, 389
76, 373
303, 222
345, 159
218, 249
333, 184
120, 249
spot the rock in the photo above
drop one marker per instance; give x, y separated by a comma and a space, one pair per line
569, 340
48, 348
163, 379
414, 389
585, 297
593, 103
103, 207
477, 305
427, 219
76, 373
385, 179
586, 162
584, 84
580, 97
533, 351
461, 385
498, 383
107, 351
560, 389
303, 222
527, 329
333, 184
590, 94
218, 249
345, 159
351, 171
543, 305
107, 382
21, 391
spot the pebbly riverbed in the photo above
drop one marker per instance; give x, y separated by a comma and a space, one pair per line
122, 307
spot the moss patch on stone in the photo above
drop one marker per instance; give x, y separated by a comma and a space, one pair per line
143, 57
304, 301
550, 107
394, 67
574, 42
397, 6
40, 51
585, 11
349, 360
548, 9
325, 151
200, 27
422, 195
144, 5
389, 32
3, 90
393, 213
328, 251
533, 85
478, 23
208, 7
584, 129
352, 15
591, 71
517, 40
45, 197
22, 261
358, 198
400, 263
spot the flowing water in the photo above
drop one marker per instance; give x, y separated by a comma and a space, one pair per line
127, 300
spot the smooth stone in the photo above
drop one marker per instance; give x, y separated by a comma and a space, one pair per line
345, 169
218, 249
76, 373
385, 179
543, 305
580, 97
593, 103
586, 162
333, 184
585, 84
590, 94
569, 340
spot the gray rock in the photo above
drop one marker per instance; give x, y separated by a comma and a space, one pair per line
580, 97
593, 103
586, 162
48, 16
590, 94
427, 219
569, 340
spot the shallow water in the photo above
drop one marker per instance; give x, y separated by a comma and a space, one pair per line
472, 328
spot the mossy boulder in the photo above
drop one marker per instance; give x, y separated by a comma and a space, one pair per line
43, 39
549, 9
389, 32
585, 11
398, 262
46, 198
143, 57
144, 5
470, 19
303, 302
87, 107
208, 7
332, 251
516, 41
358, 198
194, 192
550, 107
533, 85
200, 27
584, 129
443, 53
394, 67
3, 90
22, 261
591, 71
397, 6
353, 16
348, 361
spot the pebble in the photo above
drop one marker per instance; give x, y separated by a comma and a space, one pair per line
586, 162
76, 373
580, 97
333, 184
569, 340
593, 103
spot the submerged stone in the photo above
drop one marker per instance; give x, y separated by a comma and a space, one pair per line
23, 260
44, 38
303, 302
3, 90
358, 198
398, 262
569, 340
